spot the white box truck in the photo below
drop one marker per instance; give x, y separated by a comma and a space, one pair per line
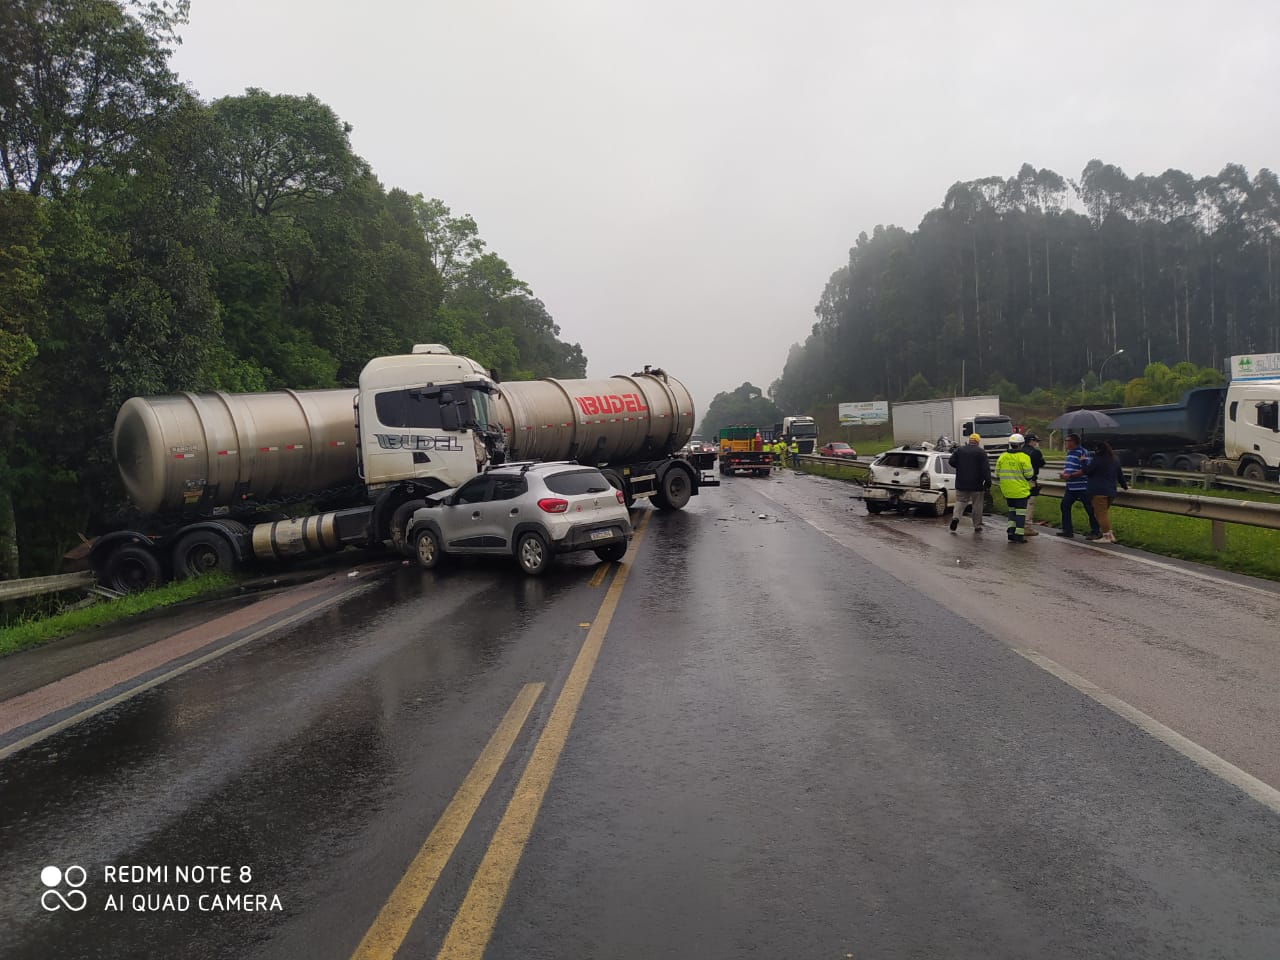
918, 421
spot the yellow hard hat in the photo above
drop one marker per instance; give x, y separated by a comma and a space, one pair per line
976, 438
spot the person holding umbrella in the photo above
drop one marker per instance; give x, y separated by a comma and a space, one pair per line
1074, 473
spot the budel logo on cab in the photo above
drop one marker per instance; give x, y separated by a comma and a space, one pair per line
611, 403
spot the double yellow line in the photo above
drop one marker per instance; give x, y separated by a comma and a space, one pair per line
473, 925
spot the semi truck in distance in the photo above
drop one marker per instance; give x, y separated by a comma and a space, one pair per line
802, 430
1230, 430
220, 480
956, 418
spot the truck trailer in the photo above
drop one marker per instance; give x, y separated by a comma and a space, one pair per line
918, 421
220, 480
1231, 430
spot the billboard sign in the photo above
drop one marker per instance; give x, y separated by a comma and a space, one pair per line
864, 412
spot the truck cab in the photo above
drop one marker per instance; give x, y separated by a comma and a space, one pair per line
994, 429
1251, 427
424, 417
803, 431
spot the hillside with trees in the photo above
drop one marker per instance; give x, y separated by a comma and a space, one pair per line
151, 242
1036, 281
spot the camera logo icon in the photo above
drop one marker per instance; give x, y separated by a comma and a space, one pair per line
53, 898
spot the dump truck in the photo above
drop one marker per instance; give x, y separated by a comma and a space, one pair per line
1227, 430
222, 480
742, 450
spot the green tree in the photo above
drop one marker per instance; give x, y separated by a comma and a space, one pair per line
744, 406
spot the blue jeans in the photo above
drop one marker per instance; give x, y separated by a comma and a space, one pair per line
1070, 497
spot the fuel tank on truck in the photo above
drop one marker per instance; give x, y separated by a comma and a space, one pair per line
199, 451
646, 416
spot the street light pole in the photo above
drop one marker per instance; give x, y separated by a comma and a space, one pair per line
1104, 364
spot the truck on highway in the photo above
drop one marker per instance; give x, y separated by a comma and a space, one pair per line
742, 450
920, 421
1230, 430
220, 480
802, 430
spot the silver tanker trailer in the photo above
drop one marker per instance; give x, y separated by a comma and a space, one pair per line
223, 479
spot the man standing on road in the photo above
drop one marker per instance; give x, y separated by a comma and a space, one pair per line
793, 454
1037, 461
973, 479
1077, 487
1013, 471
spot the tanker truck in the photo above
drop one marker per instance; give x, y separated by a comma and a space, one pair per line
220, 480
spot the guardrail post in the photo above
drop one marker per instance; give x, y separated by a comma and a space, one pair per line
1218, 535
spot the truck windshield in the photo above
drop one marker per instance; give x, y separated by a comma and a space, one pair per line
410, 408
993, 428
804, 429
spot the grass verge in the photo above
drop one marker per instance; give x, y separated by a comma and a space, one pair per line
1250, 550
35, 631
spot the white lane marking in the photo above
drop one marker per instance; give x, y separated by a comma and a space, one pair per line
97, 708
1259, 790
1264, 793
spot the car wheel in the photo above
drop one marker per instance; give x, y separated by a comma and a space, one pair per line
202, 551
533, 554
940, 506
612, 553
426, 549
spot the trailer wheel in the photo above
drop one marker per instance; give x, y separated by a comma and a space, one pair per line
1182, 462
132, 568
674, 490
615, 481
533, 554
400, 525
1253, 470
200, 552
1158, 461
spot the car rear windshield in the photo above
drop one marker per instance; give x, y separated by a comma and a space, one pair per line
578, 482
904, 461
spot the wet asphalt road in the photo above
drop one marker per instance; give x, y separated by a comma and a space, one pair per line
808, 735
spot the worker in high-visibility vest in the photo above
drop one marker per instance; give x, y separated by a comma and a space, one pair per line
793, 453
1014, 474
779, 453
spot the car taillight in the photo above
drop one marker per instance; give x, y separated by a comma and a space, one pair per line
924, 480
621, 498
553, 505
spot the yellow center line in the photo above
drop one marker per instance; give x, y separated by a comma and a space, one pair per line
383, 939
476, 918
597, 578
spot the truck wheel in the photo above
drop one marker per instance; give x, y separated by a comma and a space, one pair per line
874, 506
674, 490
1182, 463
1158, 461
132, 568
533, 554
200, 552
615, 481
1253, 470
426, 549
400, 525
612, 553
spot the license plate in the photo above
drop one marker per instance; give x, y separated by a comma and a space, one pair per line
601, 534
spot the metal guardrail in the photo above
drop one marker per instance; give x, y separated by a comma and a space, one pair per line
34, 586
1219, 509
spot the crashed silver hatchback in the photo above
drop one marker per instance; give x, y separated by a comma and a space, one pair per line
530, 511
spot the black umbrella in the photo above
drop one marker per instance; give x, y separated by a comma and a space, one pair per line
1083, 420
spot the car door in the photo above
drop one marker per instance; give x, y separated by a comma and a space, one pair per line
463, 521
505, 510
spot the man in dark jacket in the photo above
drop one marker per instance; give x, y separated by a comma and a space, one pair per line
973, 479
1032, 450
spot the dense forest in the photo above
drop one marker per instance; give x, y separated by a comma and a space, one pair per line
151, 242
1036, 281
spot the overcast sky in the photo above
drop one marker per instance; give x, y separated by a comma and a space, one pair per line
677, 180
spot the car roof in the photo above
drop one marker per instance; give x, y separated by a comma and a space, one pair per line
530, 466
